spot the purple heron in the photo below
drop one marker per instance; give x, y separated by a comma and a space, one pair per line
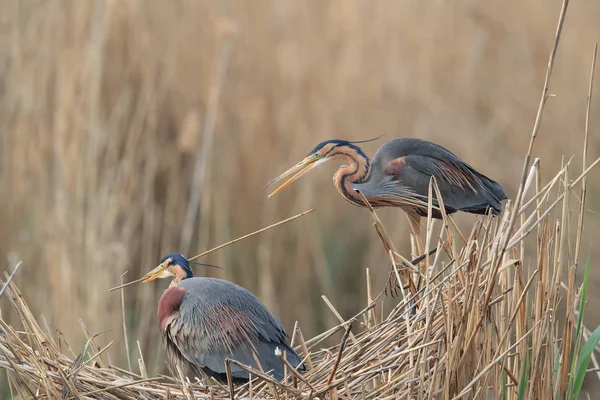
399, 175
204, 321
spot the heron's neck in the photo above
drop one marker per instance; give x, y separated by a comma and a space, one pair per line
355, 171
181, 274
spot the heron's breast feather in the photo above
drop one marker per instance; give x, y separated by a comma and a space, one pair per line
169, 304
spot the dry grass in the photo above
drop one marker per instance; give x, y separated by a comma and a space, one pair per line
468, 338
113, 118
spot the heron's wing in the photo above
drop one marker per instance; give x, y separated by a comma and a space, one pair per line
223, 340
232, 328
461, 187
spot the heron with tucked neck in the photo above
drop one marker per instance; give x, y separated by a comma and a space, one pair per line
204, 321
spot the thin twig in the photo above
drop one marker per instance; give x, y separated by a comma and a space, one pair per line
227, 244
340, 351
10, 278
251, 234
125, 324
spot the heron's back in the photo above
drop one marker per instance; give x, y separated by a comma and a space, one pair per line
422, 159
218, 320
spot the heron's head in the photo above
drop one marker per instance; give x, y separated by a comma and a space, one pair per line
172, 265
323, 152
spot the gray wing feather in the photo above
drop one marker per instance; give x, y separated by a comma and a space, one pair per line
243, 354
220, 320
458, 195
465, 189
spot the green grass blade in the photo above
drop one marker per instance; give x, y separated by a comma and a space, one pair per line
583, 299
524, 380
584, 359
556, 361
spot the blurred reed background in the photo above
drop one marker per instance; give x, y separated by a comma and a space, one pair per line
107, 108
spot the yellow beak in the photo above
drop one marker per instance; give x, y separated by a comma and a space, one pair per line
156, 273
297, 171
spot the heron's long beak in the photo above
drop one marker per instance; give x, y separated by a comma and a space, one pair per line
158, 272
297, 171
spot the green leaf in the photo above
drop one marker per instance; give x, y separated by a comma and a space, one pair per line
556, 361
524, 377
574, 361
584, 359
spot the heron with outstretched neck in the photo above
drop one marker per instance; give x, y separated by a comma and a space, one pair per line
399, 176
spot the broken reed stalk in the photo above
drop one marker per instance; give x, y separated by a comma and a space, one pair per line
226, 244
339, 354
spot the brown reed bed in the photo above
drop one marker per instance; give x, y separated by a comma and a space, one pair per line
485, 323
104, 111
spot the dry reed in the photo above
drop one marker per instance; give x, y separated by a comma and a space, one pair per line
104, 110
474, 323
481, 310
